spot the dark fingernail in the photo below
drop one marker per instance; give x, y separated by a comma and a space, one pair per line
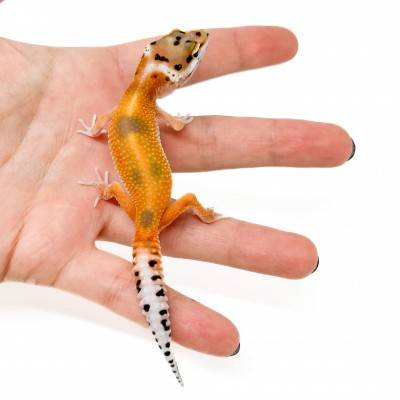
353, 151
236, 351
316, 267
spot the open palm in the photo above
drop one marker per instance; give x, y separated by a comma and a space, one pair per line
48, 225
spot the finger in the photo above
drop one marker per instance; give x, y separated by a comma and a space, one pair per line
217, 142
229, 50
228, 242
237, 49
108, 280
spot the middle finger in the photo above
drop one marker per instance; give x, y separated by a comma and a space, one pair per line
219, 142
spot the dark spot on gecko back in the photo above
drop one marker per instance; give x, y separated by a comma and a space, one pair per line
127, 124
146, 218
152, 263
160, 293
136, 176
178, 67
146, 307
156, 169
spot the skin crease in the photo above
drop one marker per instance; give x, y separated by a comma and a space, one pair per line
48, 225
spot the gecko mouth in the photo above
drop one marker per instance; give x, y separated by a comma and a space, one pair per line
196, 55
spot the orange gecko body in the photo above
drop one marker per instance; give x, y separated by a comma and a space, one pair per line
135, 147
139, 157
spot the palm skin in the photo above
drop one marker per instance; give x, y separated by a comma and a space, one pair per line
48, 224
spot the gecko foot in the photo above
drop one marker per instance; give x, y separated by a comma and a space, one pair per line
178, 122
209, 215
101, 184
95, 129
185, 119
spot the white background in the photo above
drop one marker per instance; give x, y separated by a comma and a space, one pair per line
332, 335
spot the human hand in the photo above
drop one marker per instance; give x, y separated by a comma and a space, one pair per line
48, 225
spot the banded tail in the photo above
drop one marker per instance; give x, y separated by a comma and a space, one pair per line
153, 300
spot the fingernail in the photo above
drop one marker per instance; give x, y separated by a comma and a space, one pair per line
316, 267
353, 151
236, 351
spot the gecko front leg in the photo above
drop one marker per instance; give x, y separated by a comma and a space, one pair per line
97, 127
177, 122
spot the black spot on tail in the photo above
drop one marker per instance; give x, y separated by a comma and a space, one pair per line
160, 293
164, 324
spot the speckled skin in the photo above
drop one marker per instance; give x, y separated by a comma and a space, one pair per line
140, 160
134, 135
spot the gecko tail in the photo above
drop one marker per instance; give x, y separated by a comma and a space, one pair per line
153, 300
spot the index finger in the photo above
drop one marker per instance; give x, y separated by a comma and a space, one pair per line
230, 50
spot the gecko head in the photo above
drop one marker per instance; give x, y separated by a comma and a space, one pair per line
176, 56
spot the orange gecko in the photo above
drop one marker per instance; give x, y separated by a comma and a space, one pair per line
134, 142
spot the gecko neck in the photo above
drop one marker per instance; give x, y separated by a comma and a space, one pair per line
141, 98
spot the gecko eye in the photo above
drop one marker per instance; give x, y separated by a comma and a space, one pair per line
190, 45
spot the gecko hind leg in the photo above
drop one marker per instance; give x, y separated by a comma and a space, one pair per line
188, 202
176, 122
107, 191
